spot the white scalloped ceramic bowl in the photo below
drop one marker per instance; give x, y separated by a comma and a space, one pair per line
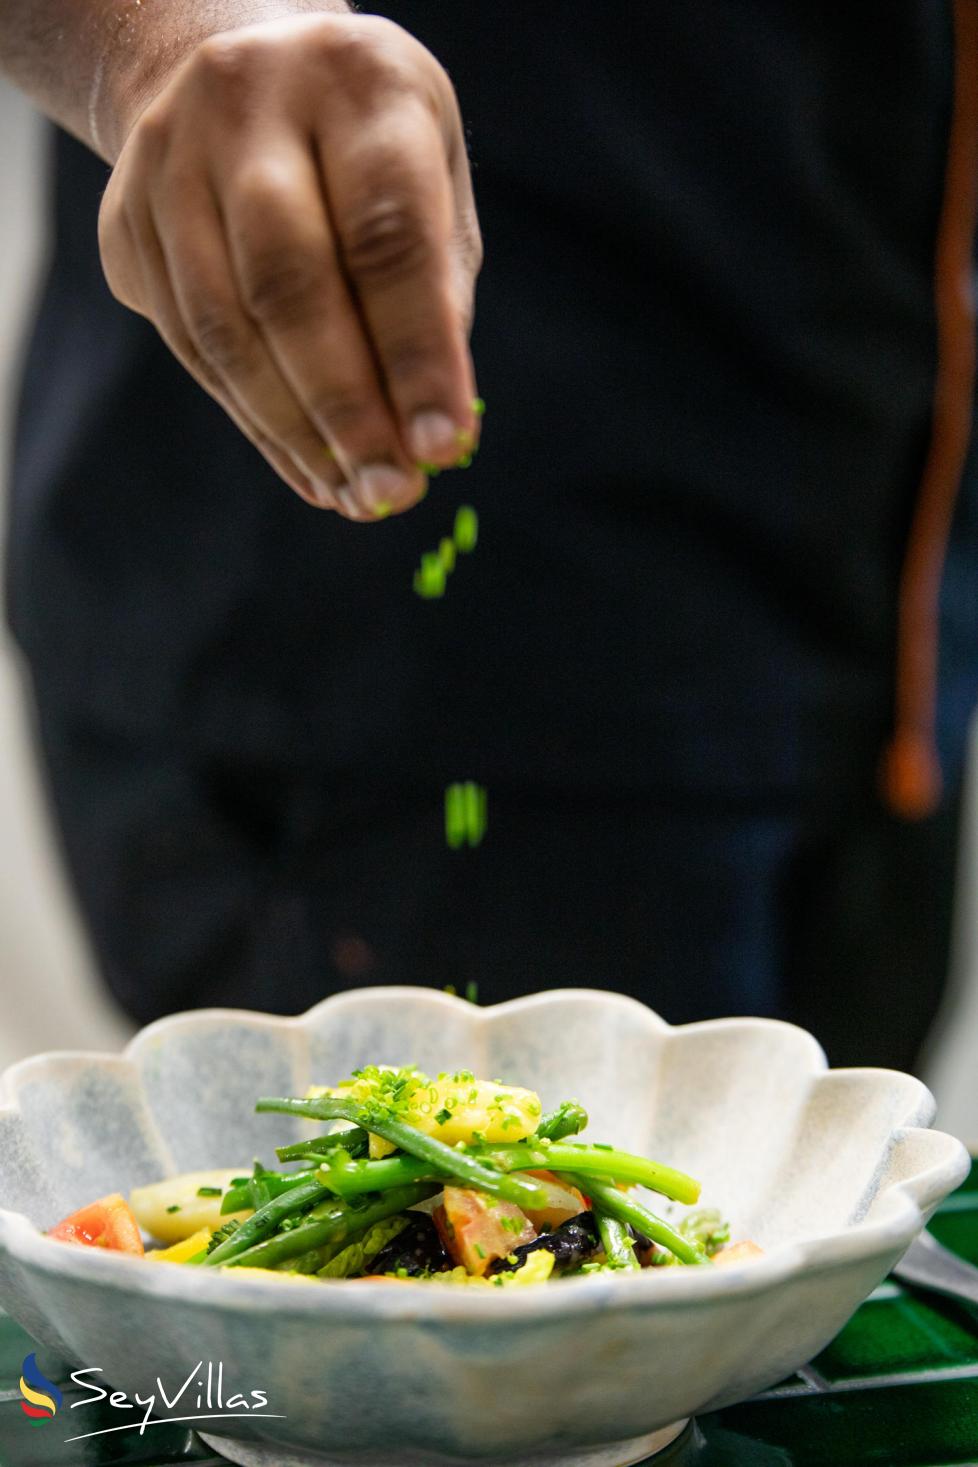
832, 1172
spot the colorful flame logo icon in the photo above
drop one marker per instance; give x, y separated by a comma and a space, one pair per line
41, 1396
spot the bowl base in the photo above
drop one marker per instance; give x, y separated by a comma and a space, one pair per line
613, 1454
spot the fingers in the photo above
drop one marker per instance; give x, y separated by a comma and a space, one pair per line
138, 273
290, 280
226, 338
294, 213
392, 204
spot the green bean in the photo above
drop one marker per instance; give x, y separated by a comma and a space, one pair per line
617, 1242
620, 1166
599, 1161
444, 1160
267, 1219
379, 1176
237, 1198
353, 1142
608, 1199
569, 1118
258, 1193
332, 1222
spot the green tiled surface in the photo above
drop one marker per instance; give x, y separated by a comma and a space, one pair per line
897, 1388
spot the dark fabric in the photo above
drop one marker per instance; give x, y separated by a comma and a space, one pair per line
706, 338
235, 883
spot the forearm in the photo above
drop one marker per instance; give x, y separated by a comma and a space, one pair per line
92, 65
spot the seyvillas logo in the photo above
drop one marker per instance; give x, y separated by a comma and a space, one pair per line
202, 1396
41, 1396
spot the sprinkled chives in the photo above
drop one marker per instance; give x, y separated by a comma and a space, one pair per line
466, 532
437, 565
465, 814
429, 581
454, 816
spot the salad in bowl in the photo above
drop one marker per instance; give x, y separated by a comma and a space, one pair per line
346, 1286
444, 1178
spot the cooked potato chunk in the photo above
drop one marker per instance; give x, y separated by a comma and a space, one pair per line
453, 1108
172, 1210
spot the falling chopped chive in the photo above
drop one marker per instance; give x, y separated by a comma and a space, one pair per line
466, 531
472, 991
443, 1116
475, 812
174, 1207
429, 581
455, 816
478, 406
209, 1191
465, 814
446, 553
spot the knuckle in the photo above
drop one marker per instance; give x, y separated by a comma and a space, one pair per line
224, 62
152, 130
341, 409
279, 285
355, 56
386, 240
217, 337
117, 252
411, 358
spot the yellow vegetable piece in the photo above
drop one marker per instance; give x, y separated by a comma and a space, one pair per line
151, 1205
451, 1109
272, 1273
182, 1251
536, 1270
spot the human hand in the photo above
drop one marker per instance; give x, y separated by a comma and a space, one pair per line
293, 212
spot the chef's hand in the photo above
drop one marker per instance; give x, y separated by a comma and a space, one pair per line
293, 212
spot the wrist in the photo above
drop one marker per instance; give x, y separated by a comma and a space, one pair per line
149, 43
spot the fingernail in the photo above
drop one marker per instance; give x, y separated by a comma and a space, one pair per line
379, 484
433, 435
348, 504
323, 493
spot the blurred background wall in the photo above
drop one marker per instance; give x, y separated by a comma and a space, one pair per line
50, 996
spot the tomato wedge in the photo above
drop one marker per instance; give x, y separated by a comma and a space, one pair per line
107, 1223
476, 1228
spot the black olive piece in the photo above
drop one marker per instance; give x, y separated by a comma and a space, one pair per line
416, 1249
645, 1249
574, 1242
